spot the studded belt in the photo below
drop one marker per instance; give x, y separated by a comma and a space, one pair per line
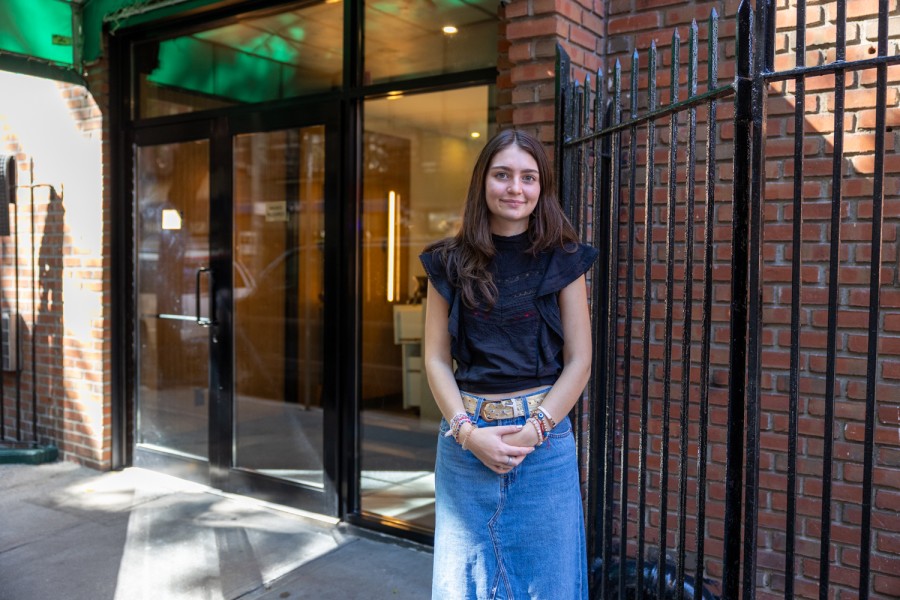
507, 408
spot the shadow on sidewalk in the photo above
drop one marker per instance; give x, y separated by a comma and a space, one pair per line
70, 532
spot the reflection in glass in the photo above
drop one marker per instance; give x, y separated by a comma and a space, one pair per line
172, 194
278, 302
418, 153
256, 59
416, 39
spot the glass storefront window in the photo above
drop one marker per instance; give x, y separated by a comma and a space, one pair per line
404, 40
258, 59
418, 153
279, 292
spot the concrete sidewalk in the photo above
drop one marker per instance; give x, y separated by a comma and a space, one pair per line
74, 533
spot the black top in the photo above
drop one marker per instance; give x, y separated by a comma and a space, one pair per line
518, 343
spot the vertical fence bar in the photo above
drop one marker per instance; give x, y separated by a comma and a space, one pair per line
645, 340
612, 320
563, 68
712, 83
796, 301
34, 316
833, 280
738, 322
597, 281
578, 160
626, 352
598, 385
687, 311
865, 545
670, 293
18, 312
569, 155
762, 64
585, 159
581, 223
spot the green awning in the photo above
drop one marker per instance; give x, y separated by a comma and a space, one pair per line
55, 38
40, 37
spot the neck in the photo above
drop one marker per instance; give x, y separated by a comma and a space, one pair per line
506, 230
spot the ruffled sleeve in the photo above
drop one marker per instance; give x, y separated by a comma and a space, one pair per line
565, 267
562, 269
437, 275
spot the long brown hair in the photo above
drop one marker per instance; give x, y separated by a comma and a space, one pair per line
468, 254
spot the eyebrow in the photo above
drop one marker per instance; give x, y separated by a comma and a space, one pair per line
505, 168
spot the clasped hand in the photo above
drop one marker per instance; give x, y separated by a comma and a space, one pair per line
501, 448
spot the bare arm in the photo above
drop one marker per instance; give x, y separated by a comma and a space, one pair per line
436, 354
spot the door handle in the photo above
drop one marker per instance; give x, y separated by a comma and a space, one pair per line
206, 321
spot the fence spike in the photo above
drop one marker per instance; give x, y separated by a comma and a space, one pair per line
651, 77
599, 97
617, 93
692, 64
712, 59
744, 40
635, 66
676, 66
586, 106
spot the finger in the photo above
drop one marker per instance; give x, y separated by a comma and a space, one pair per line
506, 429
515, 451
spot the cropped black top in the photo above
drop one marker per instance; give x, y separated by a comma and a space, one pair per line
518, 343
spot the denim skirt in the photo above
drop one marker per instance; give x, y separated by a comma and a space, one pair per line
516, 536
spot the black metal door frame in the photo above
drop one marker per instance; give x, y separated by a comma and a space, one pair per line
220, 130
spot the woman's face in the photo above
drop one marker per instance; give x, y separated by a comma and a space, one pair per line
512, 188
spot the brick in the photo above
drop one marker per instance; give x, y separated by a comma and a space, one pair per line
632, 23
532, 72
545, 26
864, 98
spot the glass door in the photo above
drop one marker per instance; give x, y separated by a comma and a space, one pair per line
231, 280
279, 304
173, 296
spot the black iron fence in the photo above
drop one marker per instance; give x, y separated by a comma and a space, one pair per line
30, 286
743, 422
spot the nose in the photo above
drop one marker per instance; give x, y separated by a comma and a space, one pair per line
514, 184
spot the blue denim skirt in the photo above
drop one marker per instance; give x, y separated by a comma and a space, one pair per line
516, 536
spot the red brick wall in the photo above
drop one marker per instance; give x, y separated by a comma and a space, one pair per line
530, 31
63, 302
853, 301
634, 24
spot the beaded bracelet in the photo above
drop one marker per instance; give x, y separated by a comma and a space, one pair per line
538, 429
466, 435
543, 414
455, 423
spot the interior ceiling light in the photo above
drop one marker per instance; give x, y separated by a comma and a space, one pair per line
450, 29
395, 95
475, 135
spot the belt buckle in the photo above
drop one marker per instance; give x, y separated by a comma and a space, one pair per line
516, 405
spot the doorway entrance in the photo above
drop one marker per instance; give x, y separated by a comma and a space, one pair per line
231, 223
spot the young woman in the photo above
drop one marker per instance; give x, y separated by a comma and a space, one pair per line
507, 307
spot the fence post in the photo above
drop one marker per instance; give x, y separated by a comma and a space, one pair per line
739, 284
563, 69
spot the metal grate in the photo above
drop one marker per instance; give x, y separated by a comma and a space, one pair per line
674, 421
